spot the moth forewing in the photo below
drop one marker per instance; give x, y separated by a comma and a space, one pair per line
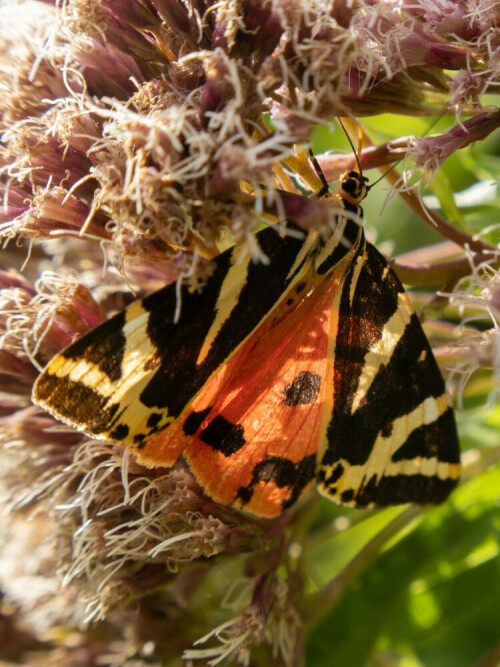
130, 377
391, 436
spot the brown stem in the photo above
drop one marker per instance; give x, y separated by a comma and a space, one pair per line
440, 224
490, 659
371, 157
439, 273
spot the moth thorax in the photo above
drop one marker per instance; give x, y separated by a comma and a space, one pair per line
353, 187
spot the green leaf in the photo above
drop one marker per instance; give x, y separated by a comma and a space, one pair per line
441, 187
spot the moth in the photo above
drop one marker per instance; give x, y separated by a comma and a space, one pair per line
313, 366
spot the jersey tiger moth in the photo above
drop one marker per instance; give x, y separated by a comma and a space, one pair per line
312, 366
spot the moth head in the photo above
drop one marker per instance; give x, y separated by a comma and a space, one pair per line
353, 187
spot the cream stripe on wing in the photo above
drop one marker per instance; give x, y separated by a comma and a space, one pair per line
334, 240
361, 261
138, 351
381, 352
236, 279
230, 290
305, 250
379, 463
385, 446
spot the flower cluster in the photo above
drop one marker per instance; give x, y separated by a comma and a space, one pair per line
144, 137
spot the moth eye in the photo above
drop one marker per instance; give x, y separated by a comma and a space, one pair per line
350, 186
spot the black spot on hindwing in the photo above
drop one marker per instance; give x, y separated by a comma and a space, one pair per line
284, 473
223, 436
194, 421
303, 390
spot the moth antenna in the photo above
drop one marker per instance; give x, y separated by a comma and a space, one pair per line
386, 172
356, 152
360, 147
325, 187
